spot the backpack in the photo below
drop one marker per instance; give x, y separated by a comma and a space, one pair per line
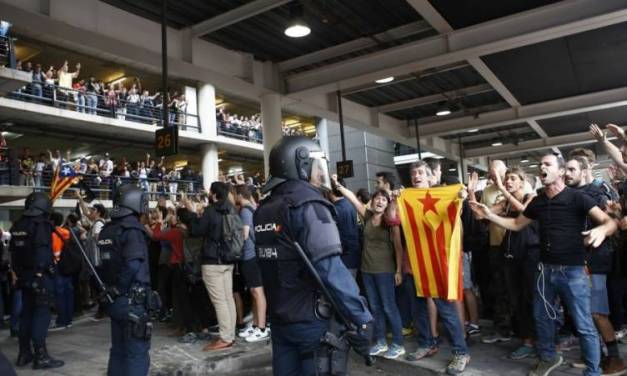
71, 260
232, 237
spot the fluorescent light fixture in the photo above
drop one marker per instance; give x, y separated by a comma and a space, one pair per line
443, 112
385, 80
452, 169
473, 130
525, 160
219, 159
533, 165
118, 80
497, 144
297, 29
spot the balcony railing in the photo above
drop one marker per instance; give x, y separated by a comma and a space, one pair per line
91, 103
241, 133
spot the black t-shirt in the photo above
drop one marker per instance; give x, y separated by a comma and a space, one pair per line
600, 258
562, 219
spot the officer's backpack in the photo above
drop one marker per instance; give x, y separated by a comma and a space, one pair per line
232, 237
71, 259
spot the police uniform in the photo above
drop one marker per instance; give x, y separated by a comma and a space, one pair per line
31, 260
124, 255
297, 212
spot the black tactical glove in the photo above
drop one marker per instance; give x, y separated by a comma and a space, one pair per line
109, 295
360, 340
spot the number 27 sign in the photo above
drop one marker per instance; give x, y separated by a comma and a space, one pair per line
167, 141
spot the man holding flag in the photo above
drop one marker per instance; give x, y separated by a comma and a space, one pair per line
64, 177
432, 227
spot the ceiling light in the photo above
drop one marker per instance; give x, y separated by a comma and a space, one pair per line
443, 112
533, 165
385, 80
452, 169
473, 130
118, 81
297, 27
524, 160
497, 144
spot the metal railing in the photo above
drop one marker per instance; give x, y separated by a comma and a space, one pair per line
96, 104
103, 186
241, 133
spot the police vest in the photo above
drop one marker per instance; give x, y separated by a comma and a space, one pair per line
291, 290
111, 250
22, 242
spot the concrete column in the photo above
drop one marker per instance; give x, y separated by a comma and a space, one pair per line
209, 164
272, 128
207, 110
323, 135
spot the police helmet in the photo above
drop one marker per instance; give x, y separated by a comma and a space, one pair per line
128, 200
298, 158
37, 203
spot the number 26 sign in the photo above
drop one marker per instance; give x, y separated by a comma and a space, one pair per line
167, 141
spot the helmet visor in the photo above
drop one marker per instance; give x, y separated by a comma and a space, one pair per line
319, 176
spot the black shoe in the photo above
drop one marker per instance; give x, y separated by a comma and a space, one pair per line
44, 361
24, 358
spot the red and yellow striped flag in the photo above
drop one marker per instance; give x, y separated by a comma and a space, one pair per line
432, 228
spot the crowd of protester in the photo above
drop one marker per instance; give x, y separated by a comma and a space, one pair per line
102, 175
247, 128
205, 299
86, 94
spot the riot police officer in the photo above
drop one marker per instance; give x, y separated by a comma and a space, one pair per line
31, 260
296, 212
125, 272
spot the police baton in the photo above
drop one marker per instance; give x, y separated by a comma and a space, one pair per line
91, 267
349, 324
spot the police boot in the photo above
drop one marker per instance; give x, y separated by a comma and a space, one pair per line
44, 361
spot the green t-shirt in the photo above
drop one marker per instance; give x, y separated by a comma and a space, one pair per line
378, 251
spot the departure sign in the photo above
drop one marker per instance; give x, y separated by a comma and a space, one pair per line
167, 141
345, 169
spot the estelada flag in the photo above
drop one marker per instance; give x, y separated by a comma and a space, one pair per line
64, 177
431, 223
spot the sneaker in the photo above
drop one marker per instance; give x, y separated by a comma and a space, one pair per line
544, 367
568, 343
98, 316
215, 330
458, 364
612, 366
620, 334
190, 337
524, 351
56, 328
394, 351
422, 352
496, 337
579, 364
472, 330
378, 348
246, 332
258, 335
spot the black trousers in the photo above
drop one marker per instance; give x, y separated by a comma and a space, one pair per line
519, 278
183, 314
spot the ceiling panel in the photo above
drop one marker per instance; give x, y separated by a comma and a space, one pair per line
580, 122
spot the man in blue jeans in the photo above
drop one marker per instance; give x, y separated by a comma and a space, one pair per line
421, 176
562, 213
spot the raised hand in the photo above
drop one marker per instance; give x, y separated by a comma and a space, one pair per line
597, 133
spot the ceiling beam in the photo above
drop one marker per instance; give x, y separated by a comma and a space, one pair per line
435, 98
521, 29
234, 16
426, 10
354, 45
600, 100
533, 145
